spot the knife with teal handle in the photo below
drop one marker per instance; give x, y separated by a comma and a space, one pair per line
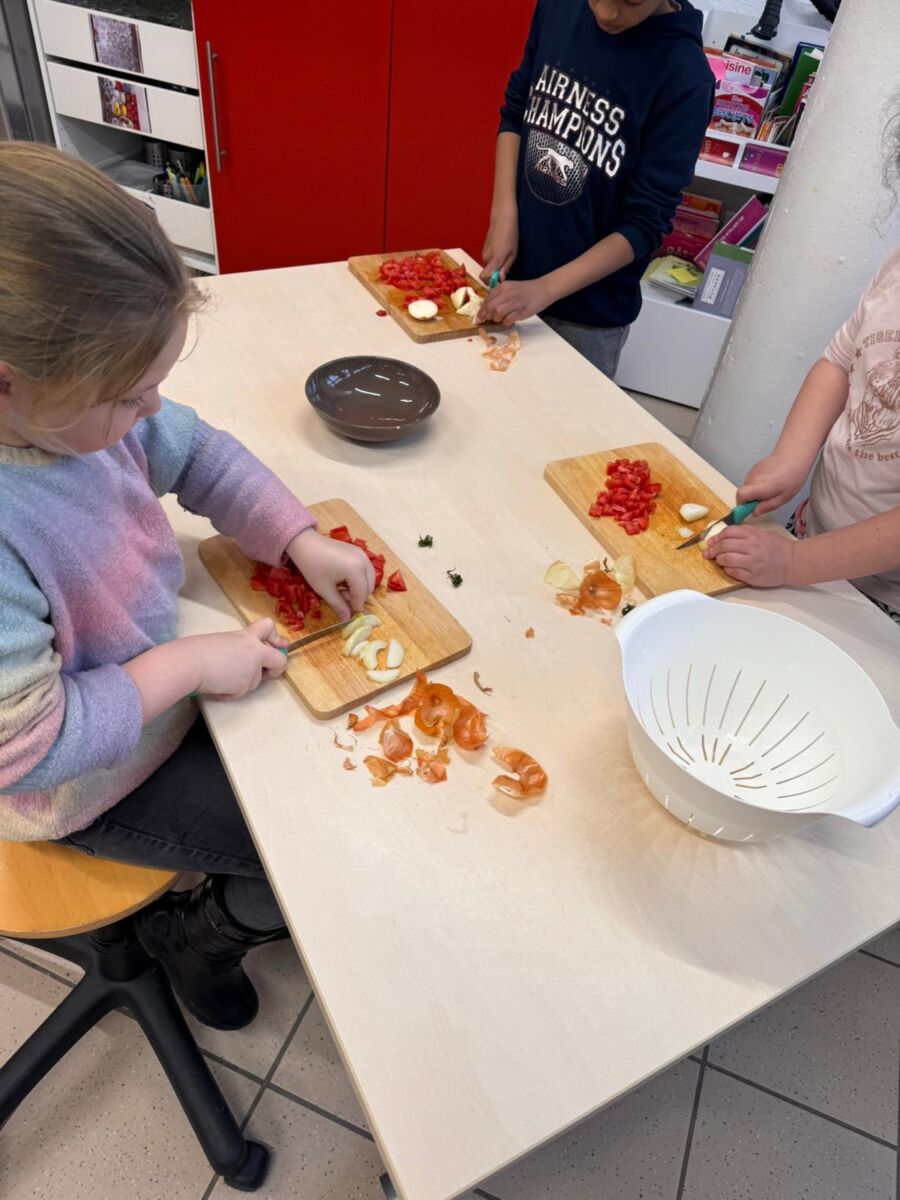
736, 517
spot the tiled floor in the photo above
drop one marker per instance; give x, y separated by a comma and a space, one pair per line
677, 417
800, 1103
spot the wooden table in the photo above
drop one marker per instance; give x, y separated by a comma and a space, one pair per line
491, 980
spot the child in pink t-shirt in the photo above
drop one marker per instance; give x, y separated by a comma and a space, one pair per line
849, 409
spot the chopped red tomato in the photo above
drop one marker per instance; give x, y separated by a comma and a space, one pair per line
629, 497
341, 534
396, 582
422, 276
294, 598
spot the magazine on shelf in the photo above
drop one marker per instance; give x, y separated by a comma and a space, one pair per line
741, 226
740, 99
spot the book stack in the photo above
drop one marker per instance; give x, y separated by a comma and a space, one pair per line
696, 221
674, 275
760, 94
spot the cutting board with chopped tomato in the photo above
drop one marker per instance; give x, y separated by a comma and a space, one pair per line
660, 567
447, 324
326, 681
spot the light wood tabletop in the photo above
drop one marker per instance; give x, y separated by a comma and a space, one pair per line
492, 979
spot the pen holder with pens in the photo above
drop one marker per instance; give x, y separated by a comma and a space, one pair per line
181, 173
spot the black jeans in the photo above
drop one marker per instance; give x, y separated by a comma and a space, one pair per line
185, 818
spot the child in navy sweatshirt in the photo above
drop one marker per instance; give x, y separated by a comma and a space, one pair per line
599, 134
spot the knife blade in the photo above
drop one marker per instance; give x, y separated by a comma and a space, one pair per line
736, 517
314, 637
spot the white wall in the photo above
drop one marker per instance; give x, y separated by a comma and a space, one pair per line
830, 228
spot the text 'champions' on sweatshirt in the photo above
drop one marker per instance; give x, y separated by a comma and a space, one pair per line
610, 126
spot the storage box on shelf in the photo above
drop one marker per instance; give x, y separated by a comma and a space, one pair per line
161, 84
673, 348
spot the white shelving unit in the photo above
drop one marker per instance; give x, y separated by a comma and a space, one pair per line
171, 87
735, 175
673, 348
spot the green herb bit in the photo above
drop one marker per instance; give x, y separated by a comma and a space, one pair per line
454, 578
627, 609
427, 540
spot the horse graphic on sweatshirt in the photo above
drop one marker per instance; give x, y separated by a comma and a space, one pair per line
554, 164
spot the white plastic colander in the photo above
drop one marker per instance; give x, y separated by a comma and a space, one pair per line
745, 724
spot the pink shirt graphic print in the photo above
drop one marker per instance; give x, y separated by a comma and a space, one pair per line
858, 474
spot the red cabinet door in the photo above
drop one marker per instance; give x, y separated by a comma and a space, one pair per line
449, 68
295, 98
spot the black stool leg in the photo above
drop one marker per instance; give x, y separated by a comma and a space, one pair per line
76, 949
240, 1162
80, 1011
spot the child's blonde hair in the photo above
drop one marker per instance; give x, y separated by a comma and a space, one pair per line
91, 288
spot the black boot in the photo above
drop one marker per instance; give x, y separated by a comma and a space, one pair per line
201, 947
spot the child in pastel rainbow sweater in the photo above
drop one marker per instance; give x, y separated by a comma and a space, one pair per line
99, 748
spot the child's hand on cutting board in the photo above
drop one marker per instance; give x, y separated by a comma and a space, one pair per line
753, 556
340, 572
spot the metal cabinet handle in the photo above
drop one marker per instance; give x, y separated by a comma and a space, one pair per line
211, 56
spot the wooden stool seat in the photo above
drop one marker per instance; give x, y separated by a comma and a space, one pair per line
53, 891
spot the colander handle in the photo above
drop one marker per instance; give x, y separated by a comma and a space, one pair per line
630, 624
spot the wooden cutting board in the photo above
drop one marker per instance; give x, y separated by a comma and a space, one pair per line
328, 683
659, 566
448, 324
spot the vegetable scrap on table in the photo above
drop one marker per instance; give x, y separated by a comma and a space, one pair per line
455, 578
481, 686
425, 541
438, 712
500, 356
599, 590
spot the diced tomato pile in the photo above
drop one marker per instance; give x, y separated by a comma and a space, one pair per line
630, 497
294, 598
422, 277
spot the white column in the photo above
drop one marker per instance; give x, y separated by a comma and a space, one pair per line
829, 229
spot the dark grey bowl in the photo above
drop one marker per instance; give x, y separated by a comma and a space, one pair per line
371, 399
